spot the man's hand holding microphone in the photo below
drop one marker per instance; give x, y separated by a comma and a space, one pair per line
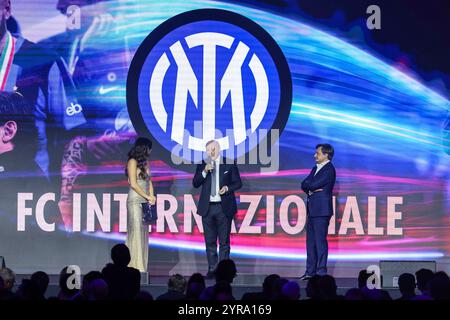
209, 165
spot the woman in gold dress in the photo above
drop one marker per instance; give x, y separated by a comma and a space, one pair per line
141, 190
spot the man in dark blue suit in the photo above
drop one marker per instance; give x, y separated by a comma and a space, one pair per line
318, 185
217, 205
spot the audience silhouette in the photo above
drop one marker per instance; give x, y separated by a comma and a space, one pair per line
118, 281
407, 286
267, 289
176, 288
195, 286
123, 281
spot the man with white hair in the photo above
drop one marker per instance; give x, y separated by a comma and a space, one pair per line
217, 205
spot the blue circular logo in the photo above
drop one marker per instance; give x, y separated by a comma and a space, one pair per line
208, 74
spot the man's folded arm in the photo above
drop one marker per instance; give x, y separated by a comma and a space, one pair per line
321, 181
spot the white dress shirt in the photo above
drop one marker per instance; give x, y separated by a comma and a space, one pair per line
217, 198
320, 166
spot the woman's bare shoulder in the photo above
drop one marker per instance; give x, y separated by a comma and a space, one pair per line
131, 160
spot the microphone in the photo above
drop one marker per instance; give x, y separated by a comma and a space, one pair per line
210, 161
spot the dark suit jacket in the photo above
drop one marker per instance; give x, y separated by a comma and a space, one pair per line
320, 203
228, 176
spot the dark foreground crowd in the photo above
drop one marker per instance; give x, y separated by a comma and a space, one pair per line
117, 281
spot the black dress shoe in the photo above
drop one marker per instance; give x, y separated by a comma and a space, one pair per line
305, 277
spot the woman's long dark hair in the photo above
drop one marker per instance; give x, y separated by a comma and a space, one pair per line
140, 152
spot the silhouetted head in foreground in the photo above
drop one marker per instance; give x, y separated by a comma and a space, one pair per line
120, 255
226, 271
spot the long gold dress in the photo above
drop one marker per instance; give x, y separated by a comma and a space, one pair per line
137, 231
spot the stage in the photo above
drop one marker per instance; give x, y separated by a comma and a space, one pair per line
318, 109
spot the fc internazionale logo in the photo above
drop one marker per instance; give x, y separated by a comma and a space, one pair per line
208, 74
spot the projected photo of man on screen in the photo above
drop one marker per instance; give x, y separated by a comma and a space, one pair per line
41, 77
18, 146
19, 173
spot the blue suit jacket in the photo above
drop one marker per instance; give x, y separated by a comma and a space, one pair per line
320, 203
